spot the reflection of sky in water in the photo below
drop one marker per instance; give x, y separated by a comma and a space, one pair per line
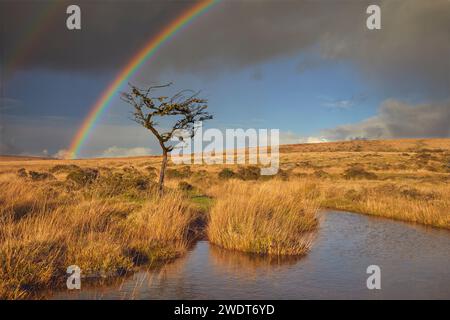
413, 259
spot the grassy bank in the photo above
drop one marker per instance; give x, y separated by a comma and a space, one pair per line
45, 229
417, 203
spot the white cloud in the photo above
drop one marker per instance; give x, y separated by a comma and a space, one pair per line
115, 151
61, 154
313, 140
289, 137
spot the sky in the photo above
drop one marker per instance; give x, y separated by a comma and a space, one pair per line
311, 69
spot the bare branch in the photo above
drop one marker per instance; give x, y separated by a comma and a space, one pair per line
185, 105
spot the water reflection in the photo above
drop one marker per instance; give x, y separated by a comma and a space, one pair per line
413, 259
227, 261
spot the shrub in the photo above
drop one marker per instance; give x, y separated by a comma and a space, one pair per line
184, 172
226, 173
249, 173
283, 174
22, 173
64, 168
413, 193
357, 148
423, 158
83, 177
446, 165
40, 176
126, 184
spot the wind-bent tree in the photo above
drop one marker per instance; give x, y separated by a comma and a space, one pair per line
185, 107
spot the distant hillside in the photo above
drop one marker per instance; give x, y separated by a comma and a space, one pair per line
22, 158
398, 145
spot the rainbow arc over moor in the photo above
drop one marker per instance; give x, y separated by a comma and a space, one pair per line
130, 68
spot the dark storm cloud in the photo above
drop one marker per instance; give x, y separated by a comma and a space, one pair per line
411, 50
7, 104
7, 145
396, 119
35, 33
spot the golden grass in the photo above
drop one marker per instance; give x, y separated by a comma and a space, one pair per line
116, 224
104, 237
418, 203
274, 218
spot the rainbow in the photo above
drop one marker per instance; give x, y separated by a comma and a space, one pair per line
130, 69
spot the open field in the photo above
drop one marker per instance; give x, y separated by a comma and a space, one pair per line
104, 216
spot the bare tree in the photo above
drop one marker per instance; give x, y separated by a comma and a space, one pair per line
185, 107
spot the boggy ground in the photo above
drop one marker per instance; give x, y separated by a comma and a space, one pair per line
104, 216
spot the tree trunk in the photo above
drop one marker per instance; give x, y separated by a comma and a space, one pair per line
162, 173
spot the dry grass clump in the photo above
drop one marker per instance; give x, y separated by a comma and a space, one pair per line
132, 185
25, 266
274, 218
43, 230
20, 198
164, 227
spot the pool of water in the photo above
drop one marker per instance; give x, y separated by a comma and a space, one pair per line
414, 262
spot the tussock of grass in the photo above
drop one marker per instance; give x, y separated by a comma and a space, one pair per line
152, 220
273, 218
